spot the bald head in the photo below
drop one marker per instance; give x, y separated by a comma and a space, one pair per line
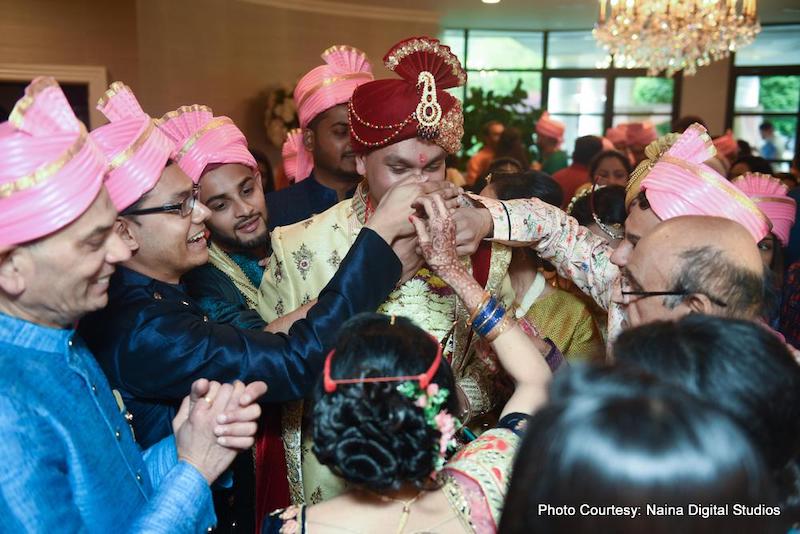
711, 264
673, 237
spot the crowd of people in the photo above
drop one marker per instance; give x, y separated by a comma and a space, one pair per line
605, 341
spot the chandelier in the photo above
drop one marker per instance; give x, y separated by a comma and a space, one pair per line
673, 35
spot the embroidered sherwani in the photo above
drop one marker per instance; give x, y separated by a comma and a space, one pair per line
575, 251
306, 255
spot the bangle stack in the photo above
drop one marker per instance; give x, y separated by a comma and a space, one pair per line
489, 320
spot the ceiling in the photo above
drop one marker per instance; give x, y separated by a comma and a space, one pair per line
539, 14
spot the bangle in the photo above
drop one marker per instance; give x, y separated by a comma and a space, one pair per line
504, 325
485, 313
486, 297
497, 315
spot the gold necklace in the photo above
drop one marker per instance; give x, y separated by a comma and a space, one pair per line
406, 507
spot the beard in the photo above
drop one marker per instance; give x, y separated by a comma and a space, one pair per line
234, 243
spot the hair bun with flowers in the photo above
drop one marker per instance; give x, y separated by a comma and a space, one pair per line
431, 401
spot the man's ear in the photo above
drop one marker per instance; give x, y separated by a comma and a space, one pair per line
125, 229
308, 139
361, 165
699, 303
14, 261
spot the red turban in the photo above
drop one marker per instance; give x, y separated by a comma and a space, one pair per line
384, 112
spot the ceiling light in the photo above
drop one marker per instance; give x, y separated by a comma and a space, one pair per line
490, 1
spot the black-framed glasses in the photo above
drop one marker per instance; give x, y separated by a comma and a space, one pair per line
184, 208
645, 294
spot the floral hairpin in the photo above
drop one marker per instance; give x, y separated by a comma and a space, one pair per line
431, 400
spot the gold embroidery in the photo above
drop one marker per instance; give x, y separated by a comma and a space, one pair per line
121, 158
47, 170
224, 263
17, 116
396, 55
332, 80
210, 125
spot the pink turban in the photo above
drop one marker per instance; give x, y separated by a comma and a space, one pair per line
617, 134
331, 84
322, 88
679, 183
136, 150
727, 146
548, 127
201, 139
607, 144
770, 196
640, 134
297, 161
50, 170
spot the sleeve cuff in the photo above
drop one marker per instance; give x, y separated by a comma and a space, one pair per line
500, 216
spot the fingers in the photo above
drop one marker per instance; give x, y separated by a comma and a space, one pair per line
221, 400
419, 226
254, 391
438, 202
237, 430
238, 391
427, 206
199, 389
240, 415
240, 444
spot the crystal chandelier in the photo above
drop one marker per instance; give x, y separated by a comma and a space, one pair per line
673, 35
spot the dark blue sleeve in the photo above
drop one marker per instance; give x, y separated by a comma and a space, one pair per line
220, 300
181, 347
286, 206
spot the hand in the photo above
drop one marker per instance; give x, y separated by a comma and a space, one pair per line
212, 434
202, 388
391, 217
284, 323
409, 253
472, 226
438, 240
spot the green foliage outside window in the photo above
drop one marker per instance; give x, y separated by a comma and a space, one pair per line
652, 91
780, 93
482, 106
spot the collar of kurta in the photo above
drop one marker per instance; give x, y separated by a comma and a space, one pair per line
28, 335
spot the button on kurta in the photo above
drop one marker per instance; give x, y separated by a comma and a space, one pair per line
118, 434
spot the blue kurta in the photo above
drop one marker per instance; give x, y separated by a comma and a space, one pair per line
69, 461
300, 201
153, 340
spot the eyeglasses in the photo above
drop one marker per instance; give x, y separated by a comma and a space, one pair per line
628, 291
184, 208
645, 294
424, 379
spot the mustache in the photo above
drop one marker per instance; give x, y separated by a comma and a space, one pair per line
244, 221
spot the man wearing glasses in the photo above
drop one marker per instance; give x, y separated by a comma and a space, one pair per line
672, 183
152, 339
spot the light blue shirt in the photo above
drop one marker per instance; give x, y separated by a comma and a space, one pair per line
68, 460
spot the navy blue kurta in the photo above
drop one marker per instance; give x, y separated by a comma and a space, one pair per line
300, 201
153, 340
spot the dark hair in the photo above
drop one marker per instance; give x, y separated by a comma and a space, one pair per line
616, 154
510, 145
609, 205
265, 168
754, 163
740, 366
744, 149
618, 437
586, 148
493, 169
708, 270
370, 434
528, 184
766, 125
641, 200
684, 122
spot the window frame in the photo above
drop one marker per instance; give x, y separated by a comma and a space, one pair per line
609, 74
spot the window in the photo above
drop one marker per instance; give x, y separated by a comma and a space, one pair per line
765, 90
568, 74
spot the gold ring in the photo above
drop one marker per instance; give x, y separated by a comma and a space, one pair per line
207, 399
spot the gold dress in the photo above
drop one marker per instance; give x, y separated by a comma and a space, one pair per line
305, 257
